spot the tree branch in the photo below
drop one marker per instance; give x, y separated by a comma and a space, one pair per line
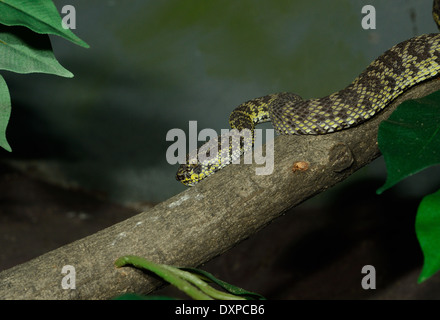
203, 221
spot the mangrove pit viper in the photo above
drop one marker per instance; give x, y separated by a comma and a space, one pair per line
401, 67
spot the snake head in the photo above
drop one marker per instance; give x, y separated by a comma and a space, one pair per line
190, 173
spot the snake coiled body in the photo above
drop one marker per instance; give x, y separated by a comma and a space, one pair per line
399, 68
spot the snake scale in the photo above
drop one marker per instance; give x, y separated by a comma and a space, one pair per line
399, 68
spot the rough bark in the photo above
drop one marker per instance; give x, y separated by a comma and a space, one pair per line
204, 221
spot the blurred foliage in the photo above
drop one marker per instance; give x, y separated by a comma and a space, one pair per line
192, 281
25, 46
410, 142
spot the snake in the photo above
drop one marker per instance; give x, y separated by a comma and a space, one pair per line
392, 73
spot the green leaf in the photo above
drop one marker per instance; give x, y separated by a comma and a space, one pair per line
24, 51
40, 16
192, 282
202, 285
229, 287
5, 112
164, 273
428, 234
410, 139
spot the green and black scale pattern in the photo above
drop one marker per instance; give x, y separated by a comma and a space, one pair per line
401, 67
